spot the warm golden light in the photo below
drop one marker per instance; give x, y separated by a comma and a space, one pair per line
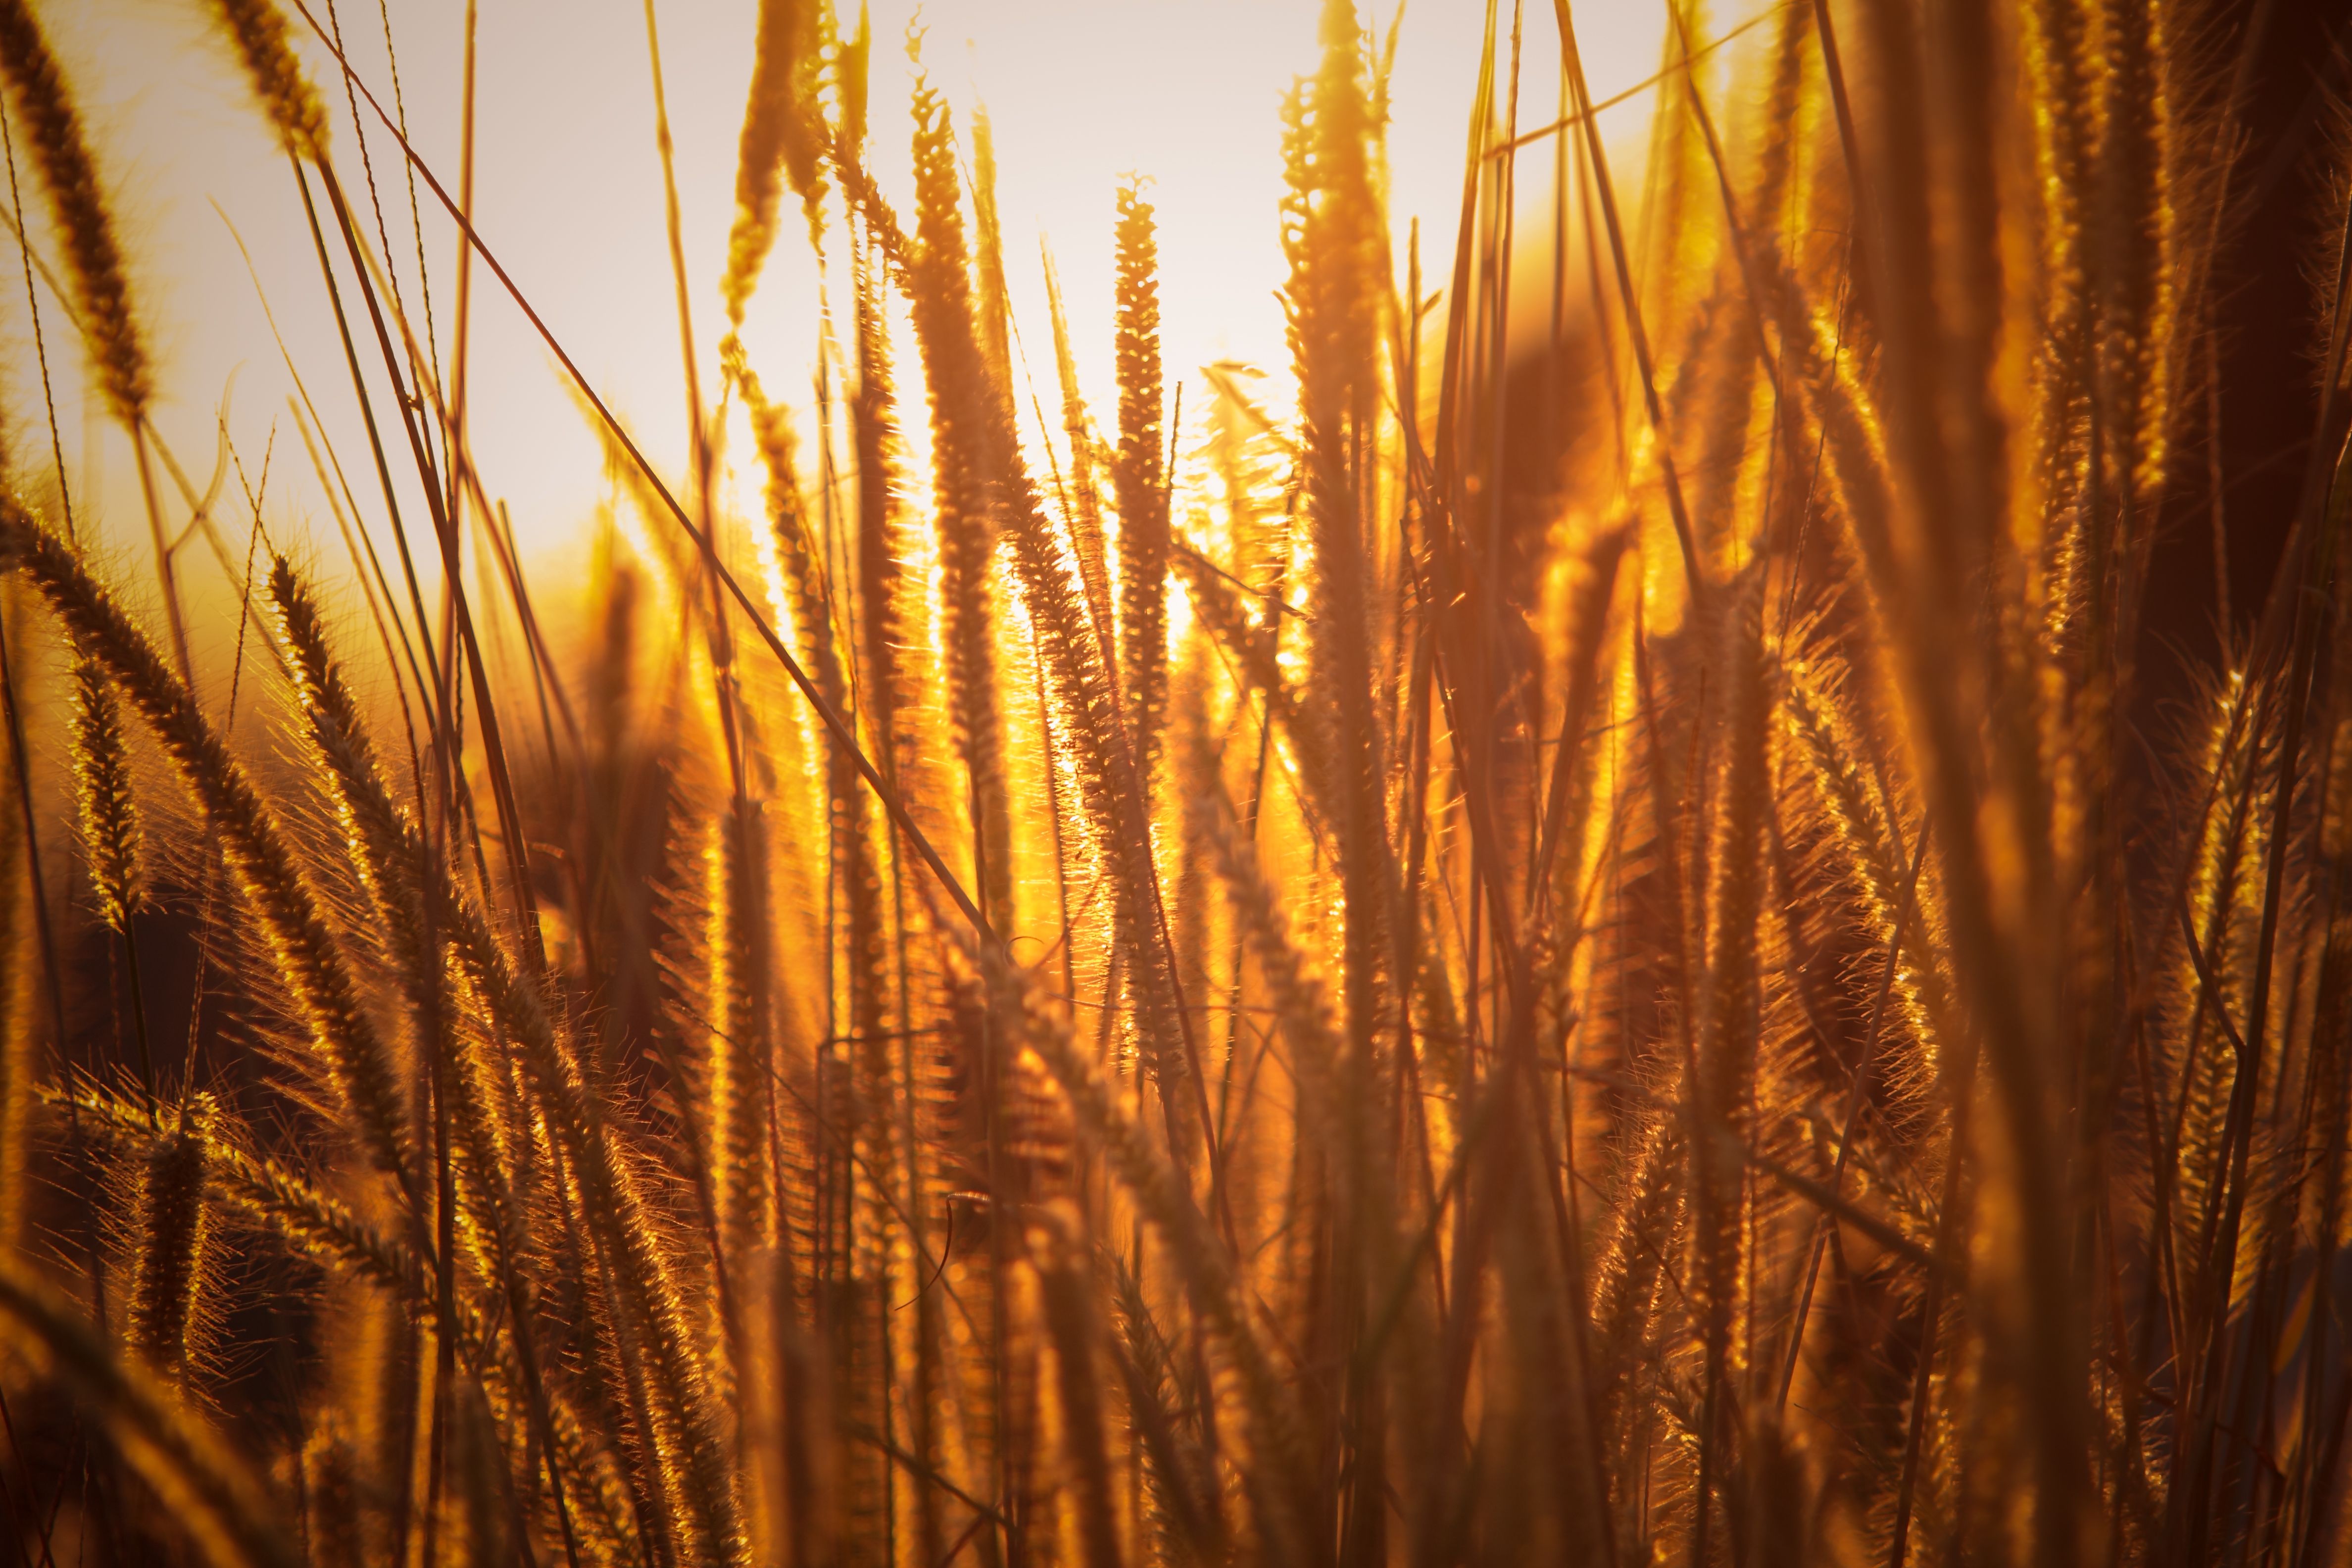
1195, 785
569, 190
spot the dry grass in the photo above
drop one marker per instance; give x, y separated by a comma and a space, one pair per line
1414, 983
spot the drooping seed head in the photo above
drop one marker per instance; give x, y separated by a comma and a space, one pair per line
265, 45
109, 812
53, 128
173, 1230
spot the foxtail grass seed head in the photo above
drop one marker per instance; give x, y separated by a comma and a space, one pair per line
53, 134
1141, 477
264, 42
109, 812
784, 135
172, 1238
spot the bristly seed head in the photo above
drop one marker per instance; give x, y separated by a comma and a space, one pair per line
109, 814
262, 38
60, 151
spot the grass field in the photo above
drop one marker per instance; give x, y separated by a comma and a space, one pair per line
1612, 919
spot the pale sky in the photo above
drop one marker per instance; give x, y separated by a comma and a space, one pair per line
568, 196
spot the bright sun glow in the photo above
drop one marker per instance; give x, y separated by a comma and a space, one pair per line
569, 194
